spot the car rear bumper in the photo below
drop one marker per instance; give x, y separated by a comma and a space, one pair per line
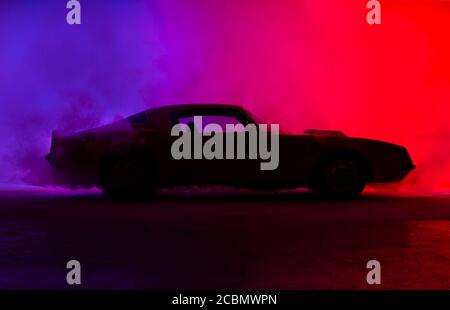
52, 159
75, 172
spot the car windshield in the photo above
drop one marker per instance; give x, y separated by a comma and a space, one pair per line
259, 120
256, 119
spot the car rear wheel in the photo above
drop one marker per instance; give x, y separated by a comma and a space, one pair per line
127, 177
341, 177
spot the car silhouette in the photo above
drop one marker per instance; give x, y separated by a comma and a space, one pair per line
130, 157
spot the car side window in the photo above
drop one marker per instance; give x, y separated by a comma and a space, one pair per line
221, 120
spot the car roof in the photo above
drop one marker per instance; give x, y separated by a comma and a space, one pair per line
195, 106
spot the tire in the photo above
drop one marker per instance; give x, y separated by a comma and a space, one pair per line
127, 177
341, 178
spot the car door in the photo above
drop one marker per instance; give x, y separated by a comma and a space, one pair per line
213, 168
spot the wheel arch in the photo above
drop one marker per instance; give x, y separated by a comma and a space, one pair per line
344, 153
115, 153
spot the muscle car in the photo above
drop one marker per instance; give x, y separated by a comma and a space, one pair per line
130, 157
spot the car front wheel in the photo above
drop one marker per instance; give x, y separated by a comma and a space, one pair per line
341, 177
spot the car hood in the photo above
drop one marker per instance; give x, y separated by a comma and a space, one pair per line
320, 132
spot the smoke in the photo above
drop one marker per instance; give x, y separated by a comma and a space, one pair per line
303, 64
56, 76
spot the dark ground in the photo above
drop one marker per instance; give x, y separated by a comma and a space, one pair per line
232, 241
